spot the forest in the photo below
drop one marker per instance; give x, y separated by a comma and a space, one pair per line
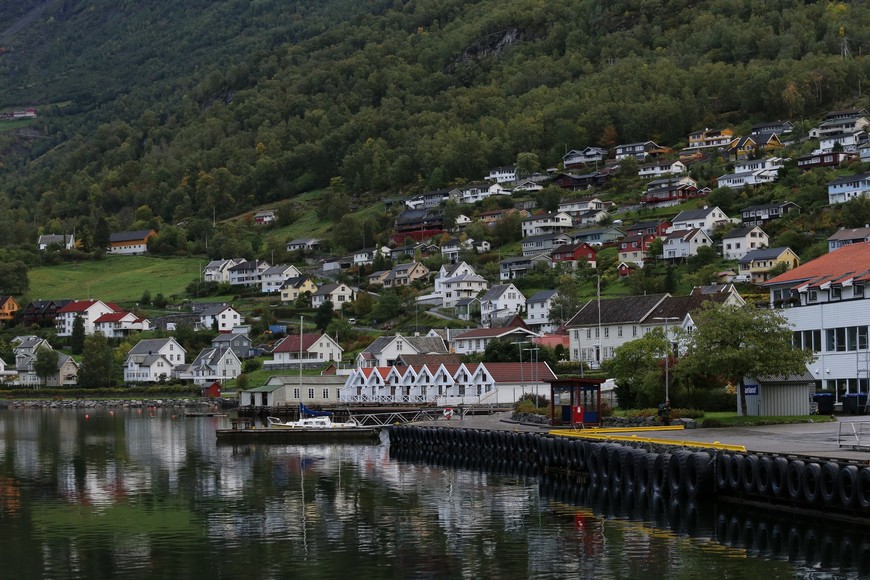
179, 113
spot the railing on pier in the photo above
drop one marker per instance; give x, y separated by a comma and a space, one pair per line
411, 415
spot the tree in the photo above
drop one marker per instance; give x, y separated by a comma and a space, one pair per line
45, 365
737, 342
77, 338
97, 364
567, 302
323, 315
13, 278
549, 198
637, 368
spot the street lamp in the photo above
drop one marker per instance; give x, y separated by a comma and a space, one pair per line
520, 344
667, 349
532, 375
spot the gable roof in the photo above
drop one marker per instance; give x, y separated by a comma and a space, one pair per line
421, 344
626, 309
694, 214
496, 291
291, 343
152, 345
741, 232
496, 332
762, 254
680, 306
854, 258
130, 236
514, 372
542, 296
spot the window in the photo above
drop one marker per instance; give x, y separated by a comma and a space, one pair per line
619, 331
836, 293
296, 393
310, 393
633, 331
858, 290
588, 333
607, 332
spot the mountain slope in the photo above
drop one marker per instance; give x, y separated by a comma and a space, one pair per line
200, 107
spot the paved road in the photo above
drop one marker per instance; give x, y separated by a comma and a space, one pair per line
816, 439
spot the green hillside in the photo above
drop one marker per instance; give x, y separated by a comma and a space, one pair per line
121, 279
206, 109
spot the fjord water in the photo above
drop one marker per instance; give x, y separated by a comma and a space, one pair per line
150, 494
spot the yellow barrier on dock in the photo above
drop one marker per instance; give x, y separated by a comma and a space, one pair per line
609, 436
596, 430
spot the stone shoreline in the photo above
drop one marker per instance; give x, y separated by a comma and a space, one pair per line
108, 403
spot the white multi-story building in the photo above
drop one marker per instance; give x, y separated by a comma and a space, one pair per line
827, 304
153, 360
88, 310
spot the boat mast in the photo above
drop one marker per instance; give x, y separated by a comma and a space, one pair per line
300, 365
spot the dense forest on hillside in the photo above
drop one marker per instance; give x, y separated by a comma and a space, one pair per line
198, 109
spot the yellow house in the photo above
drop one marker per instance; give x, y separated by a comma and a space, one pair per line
709, 138
745, 147
757, 264
295, 287
8, 308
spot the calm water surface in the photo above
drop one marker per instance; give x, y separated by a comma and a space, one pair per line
149, 494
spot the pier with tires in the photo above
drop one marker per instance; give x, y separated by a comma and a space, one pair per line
645, 470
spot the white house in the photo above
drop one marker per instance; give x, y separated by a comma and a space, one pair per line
309, 350
661, 168
461, 287
153, 360
219, 270
752, 172
739, 241
248, 273
384, 351
538, 311
684, 243
338, 294
577, 207
273, 277
303, 245
120, 324
476, 339
706, 218
505, 174
516, 267
26, 350
88, 310
576, 157
551, 223
848, 142
66, 242
501, 301
639, 151
544, 244
825, 301
844, 237
223, 318
213, 364
848, 187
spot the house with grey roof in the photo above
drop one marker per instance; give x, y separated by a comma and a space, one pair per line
705, 218
337, 294
248, 273
758, 215
210, 365
500, 301
756, 265
385, 350
153, 360
221, 317
518, 266
219, 270
739, 241
538, 311
274, 277
26, 350
544, 243
303, 245
239, 343
846, 236
60, 241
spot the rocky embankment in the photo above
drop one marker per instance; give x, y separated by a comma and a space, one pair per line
198, 404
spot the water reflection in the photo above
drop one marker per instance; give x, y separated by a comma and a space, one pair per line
148, 494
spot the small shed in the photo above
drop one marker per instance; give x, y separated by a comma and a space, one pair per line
265, 396
575, 400
778, 395
212, 391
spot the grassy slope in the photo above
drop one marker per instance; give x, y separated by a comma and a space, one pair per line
116, 278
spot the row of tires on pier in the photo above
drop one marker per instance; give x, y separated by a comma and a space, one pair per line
645, 469
629, 469
798, 480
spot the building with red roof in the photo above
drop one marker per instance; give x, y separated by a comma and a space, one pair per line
448, 384
310, 350
825, 301
88, 310
120, 324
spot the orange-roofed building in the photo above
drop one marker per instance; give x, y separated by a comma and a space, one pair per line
825, 301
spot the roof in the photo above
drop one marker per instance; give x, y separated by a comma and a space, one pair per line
421, 344
542, 296
514, 372
853, 258
497, 332
496, 291
290, 343
327, 289
680, 306
762, 254
850, 234
151, 345
83, 305
215, 310
741, 232
626, 309
431, 360
229, 337
694, 214
130, 236
849, 178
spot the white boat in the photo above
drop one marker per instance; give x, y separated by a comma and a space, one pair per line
311, 423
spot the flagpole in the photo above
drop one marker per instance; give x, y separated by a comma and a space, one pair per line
300, 365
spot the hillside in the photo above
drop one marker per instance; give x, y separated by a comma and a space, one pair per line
200, 109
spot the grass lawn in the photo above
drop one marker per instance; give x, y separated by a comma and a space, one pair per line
120, 279
16, 124
730, 419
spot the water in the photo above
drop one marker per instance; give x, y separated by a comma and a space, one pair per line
149, 494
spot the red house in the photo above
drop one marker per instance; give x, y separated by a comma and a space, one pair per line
574, 253
212, 391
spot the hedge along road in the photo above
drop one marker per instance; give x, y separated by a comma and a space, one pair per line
814, 439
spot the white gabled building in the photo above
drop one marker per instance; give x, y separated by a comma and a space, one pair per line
538, 308
848, 187
274, 277
683, 244
311, 350
88, 310
212, 364
706, 218
551, 223
740, 241
223, 318
153, 360
501, 301
219, 270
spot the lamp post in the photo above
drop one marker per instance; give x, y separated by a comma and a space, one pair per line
520, 344
532, 375
667, 349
